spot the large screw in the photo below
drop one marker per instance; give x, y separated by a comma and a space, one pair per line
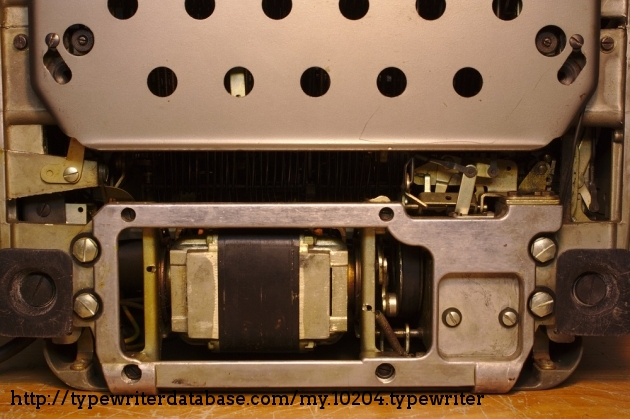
43, 210
508, 318
20, 42
541, 304
85, 249
52, 40
547, 43
576, 42
132, 372
71, 175
385, 371
37, 290
543, 249
607, 43
590, 289
86, 305
82, 41
541, 168
452, 317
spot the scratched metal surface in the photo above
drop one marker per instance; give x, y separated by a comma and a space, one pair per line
599, 389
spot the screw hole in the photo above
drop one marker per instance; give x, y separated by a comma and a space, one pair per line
128, 215
385, 372
386, 214
122, 9
151, 269
80, 209
131, 373
354, 9
277, 9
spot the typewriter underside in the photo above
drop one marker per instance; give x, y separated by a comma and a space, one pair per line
314, 194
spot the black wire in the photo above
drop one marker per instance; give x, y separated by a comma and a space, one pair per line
14, 347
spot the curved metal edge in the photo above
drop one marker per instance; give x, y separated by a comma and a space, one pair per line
534, 378
88, 379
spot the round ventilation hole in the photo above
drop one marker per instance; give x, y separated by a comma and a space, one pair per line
507, 9
315, 82
199, 9
122, 9
468, 82
430, 9
277, 9
392, 82
162, 82
354, 9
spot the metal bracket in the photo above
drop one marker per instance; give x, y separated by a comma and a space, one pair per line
466, 190
70, 170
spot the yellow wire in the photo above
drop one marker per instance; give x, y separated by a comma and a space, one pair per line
136, 328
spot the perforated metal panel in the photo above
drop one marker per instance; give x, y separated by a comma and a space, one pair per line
107, 104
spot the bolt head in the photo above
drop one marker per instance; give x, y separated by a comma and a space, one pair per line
543, 249
607, 44
20, 42
52, 40
80, 365
71, 175
86, 305
508, 318
452, 317
576, 41
541, 304
85, 249
546, 364
44, 210
547, 43
541, 168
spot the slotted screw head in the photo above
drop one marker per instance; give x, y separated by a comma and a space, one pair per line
508, 318
20, 42
86, 305
85, 249
452, 317
52, 40
543, 249
541, 304
607, 43
71, 175
576, 41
